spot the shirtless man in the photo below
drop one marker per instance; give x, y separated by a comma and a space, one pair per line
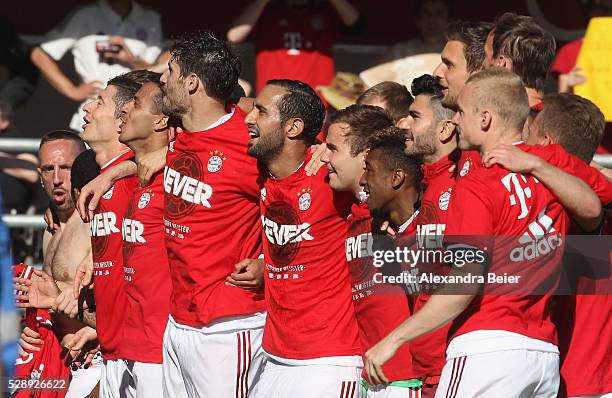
63, 251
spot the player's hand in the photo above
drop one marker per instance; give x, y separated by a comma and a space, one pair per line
150, 164
376, 357
66, 304
85, 91
512, 158
83, 276
248, 274
91, 193
124, 56
81, 346
386, 227
40, 291
52, 226
575, 77
315, 162
29, 340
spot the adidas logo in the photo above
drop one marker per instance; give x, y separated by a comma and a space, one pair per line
539, 240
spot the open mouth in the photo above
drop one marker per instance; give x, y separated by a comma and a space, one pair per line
253, 133
59, 195
86, 122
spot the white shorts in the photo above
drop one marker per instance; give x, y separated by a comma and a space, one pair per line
305, 381
223, 364
386, 391
83, 381
513, 373
125, 378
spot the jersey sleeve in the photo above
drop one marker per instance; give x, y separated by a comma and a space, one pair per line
558, 157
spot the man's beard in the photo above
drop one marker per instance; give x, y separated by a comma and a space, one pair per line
268, 146
424, 145
172, 107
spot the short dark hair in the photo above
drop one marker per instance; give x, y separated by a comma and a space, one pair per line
128, 84
300, 101
363, 121
527, 44
391, 142
58, 135
211, 59
473, 35
430, 86
396, 97
84, 169
573, 122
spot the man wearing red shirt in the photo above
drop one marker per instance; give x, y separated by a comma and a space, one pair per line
101, 132
508, 335
145, 260
293, 38
311, 337
392, 182
378, 308
212, 227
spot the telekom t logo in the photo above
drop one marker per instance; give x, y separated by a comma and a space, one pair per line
512, 182
292, 40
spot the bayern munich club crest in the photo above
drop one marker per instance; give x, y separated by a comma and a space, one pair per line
443, 200
144, 200
215, 162
465, 169
304, 199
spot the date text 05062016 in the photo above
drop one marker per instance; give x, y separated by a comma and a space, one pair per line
13, 385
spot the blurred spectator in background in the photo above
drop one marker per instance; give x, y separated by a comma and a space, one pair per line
564, 65
18, 175
9, 320
293, 38
107, 38
431, 20
22, 74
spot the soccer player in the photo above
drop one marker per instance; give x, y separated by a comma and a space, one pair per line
493, 332
431, 134
311, 336
147, 277
578, 126
63, 251
462, 56
378, 308
519, 44
392, 97
212, 227
101, 132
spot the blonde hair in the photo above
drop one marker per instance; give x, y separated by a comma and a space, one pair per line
502, 92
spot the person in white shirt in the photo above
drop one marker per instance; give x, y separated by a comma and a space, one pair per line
106, 38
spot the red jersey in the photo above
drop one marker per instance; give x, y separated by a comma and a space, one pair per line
295, 43
519, 208
308, 291
379, 307
429, 350
107, 253
46, 363
585, 334
147, 274
211, 221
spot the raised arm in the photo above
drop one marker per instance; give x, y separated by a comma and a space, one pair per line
346, 11
52, 72
243, 25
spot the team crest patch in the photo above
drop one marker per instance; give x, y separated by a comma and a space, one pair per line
263, 193
108, 194
304, 199
465, 169
443, 201
144, 200
215, 162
